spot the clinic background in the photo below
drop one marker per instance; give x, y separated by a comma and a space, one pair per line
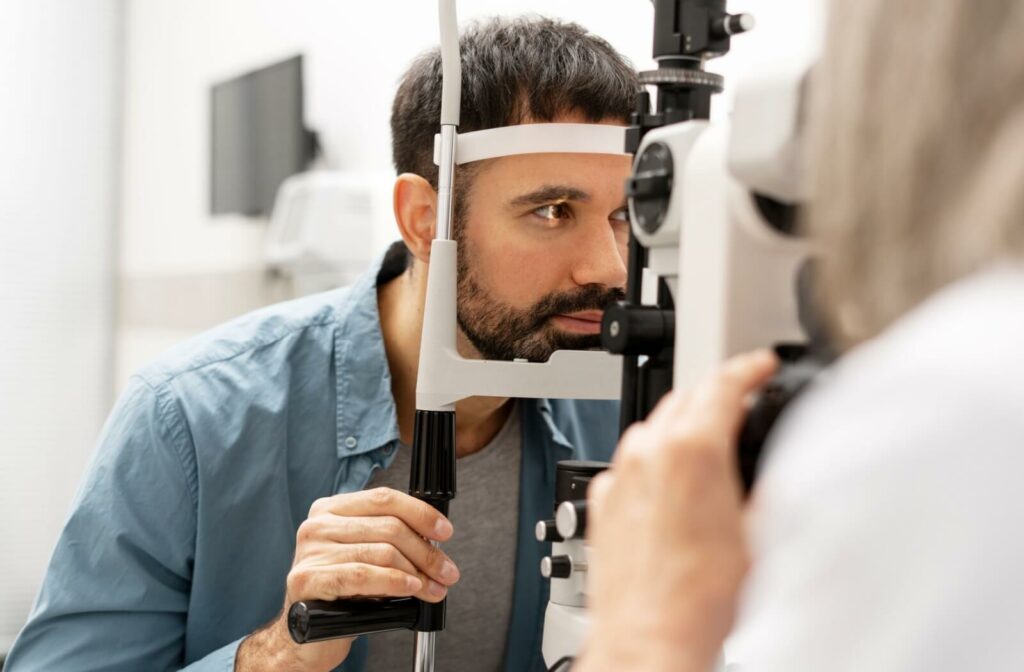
108, 251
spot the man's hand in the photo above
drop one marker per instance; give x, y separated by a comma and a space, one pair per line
666, 530
369, 543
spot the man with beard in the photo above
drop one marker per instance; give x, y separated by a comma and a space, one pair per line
266, 462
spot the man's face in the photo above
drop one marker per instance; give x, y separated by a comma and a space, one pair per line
542, 250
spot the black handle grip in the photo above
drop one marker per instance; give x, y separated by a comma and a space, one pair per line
432, 479
319, 620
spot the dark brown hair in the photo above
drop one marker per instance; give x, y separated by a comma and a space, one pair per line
513, 70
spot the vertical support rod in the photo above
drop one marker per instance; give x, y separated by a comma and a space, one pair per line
441, 449
445, 183
424, 660
629, 401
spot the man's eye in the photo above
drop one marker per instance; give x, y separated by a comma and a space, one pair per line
553, 213
620, 215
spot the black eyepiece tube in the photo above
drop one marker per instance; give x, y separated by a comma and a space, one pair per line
319, 620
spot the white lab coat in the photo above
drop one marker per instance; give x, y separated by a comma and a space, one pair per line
888, 524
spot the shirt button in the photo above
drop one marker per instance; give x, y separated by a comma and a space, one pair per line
351, 442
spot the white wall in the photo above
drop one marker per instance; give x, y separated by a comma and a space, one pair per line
59, 74
355, 53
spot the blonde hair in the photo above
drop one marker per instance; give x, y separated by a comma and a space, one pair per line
917, 151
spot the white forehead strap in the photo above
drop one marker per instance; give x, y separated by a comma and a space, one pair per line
536, 139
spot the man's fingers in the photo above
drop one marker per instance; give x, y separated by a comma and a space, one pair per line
341, 558
389, 530
379, 554
432, 591
330, 582
386, 555
420, 516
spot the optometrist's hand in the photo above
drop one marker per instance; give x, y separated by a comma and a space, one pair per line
666, 529
372, 543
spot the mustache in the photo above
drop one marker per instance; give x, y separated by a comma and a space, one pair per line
589, 297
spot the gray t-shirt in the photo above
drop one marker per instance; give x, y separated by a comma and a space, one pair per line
485, 513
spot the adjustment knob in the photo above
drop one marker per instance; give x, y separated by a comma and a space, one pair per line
637, 330
571, 518
546, 531
649, 189
556, 567
733, 24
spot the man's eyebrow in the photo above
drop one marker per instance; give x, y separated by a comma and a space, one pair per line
548, 194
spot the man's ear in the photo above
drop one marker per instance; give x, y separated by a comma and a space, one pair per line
415, 203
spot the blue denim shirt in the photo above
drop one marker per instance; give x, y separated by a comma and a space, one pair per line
183, 531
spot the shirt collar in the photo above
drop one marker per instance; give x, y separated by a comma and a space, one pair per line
558, 438
366, 415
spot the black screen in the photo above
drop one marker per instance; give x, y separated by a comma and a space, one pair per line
258, 138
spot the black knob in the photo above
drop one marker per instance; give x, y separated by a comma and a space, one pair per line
432, 473
546, 531
650, 187
556, 567
637, 330
572, 477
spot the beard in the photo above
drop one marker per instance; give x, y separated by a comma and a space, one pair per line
501, 332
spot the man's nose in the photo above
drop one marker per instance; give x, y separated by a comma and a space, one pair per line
600, 259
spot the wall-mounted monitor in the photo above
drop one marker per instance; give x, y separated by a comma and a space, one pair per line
258, 137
